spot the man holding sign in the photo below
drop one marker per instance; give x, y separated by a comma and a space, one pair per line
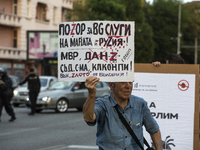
111, 134
94, 50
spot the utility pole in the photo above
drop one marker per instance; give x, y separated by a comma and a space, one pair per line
179, 28
196, 50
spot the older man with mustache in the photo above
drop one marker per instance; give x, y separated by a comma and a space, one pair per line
111, 133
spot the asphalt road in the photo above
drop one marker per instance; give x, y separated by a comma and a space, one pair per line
46, 131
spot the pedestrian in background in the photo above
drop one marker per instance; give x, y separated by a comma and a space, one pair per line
34, 88
6, 94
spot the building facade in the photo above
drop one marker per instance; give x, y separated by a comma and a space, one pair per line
19, 16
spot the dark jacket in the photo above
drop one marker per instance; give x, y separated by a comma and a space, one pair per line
6, 88
33, 82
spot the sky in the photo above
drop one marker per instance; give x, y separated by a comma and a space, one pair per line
184, 1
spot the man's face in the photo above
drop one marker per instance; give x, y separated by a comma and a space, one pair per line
1, 74
121, 90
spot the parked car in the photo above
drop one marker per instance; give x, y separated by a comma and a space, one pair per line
15, 81
21, 92
63, 95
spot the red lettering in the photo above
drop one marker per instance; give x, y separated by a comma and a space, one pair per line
72, 32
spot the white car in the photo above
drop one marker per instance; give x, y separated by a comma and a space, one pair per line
21, 92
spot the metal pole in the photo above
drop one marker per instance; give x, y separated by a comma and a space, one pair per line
196, 50
179, 28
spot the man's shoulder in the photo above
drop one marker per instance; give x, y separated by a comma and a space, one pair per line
8, 78
138, 99
135, 97
103, 99
32, 76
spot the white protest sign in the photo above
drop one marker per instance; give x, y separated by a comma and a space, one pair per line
96, 48
171, 100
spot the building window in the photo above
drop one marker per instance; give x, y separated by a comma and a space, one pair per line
15, 38
15, 7
65, 16
28, 8
55, 15
41, 13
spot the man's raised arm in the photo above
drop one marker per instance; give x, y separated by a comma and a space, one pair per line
88, 107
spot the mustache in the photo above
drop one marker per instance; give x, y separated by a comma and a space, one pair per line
127, 90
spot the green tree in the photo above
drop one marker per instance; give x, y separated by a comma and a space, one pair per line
106, 10
79, 12
164, 21
144, 44
111, 10
191, 31
120, 10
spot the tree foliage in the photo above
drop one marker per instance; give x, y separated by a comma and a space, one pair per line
191, 30
156, 25
120, 10
105, 10
164, 21
79, 12
162, 15
144, 44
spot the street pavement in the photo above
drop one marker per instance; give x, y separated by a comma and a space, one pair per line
46, 131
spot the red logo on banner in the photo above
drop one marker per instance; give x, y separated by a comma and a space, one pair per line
183, 85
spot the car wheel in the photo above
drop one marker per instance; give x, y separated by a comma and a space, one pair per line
61, 106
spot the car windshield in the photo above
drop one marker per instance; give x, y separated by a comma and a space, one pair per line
43, 82
60, 85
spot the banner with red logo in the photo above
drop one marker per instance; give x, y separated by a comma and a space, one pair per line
171, 100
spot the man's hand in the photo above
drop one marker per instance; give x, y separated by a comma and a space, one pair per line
90, 84
156, 63
1, 82
88, 108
